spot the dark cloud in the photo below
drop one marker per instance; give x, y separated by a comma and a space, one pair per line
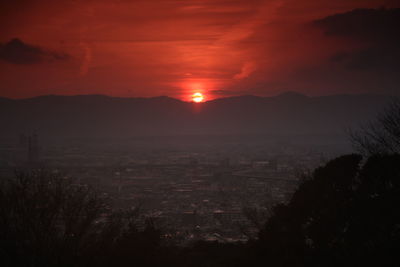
376, 25
17, 52
377, 32
385, 58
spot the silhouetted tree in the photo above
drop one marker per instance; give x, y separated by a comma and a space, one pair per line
47, 220
381, 135
344, 214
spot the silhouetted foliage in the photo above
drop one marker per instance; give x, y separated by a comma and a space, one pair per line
213, 254
344, 214
382, 135
46, 220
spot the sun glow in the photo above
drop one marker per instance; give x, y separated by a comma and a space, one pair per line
197, 97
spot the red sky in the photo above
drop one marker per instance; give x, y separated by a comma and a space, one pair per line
178, 47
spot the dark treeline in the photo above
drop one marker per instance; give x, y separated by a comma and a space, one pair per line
345, 213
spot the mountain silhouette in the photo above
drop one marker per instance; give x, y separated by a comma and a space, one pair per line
104, 116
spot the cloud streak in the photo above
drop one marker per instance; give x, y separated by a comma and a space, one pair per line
247, 69
18, 52
148, 48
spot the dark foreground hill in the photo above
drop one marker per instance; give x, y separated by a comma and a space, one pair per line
103, 116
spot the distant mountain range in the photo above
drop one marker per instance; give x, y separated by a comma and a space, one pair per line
103, 116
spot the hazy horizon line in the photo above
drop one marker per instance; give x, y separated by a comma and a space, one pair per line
285, 93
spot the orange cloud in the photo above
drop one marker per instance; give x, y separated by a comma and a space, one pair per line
247, 69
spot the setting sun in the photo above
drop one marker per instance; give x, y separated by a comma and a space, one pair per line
197, 97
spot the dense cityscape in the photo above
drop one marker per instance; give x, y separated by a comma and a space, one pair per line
220, 192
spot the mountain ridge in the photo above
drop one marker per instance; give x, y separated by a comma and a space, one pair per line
285, 94
99, 115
